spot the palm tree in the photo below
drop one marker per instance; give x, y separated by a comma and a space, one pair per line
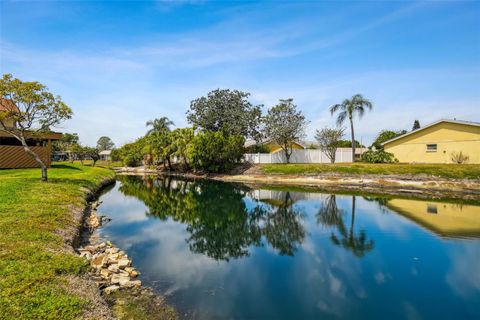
348, 108
159, 125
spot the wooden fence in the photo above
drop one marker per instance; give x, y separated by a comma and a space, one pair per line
15, 157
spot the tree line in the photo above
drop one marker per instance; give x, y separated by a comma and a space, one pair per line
220, 124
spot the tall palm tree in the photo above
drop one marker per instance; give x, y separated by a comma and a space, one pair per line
159, 125
348, 109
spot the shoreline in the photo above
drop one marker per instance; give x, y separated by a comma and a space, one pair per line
396, 185
109, 268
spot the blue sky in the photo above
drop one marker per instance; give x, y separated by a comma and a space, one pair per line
119, 64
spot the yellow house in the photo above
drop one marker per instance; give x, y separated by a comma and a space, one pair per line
437, 143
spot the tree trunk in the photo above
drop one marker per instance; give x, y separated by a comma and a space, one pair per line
353, 140
37, 158
169, 164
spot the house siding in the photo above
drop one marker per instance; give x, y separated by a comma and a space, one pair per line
12, 157
449, 137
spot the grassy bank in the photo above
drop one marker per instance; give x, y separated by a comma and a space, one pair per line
449, 171
35, 266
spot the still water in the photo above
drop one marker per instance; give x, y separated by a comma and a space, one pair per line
226, 251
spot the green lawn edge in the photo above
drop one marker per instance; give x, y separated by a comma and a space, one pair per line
34, 260
446, 171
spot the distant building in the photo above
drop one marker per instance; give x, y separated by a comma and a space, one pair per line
437, 143
12, 153
105, 155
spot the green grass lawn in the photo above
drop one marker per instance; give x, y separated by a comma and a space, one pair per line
33, 262
450, 171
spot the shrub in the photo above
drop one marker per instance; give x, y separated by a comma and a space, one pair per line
215, 152
459, 157
131, 154
378, 156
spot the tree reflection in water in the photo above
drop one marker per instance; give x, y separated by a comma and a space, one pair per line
217, 218
331, 215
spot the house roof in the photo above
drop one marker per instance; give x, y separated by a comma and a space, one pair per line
7, 105
105, 152
468, 123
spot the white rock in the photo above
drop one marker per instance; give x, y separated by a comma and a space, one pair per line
122, 263
113, 268
111, 289
120, 279
131, 284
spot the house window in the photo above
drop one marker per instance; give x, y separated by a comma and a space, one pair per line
432, 147
432, 208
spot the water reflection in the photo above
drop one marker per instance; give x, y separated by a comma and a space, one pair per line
217, 218
331, 215
225, 251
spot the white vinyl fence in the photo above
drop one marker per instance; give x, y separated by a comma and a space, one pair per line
301, 156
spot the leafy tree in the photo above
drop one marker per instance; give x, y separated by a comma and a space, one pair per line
33, 109
228, 111
328, 139
159, 145
65, 142
416, 125
284, 124
77, 152
105, 143
131, 154
386, 135
182, 140
348, 109
213, 151
93, 153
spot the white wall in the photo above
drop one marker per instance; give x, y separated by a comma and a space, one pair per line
301, 156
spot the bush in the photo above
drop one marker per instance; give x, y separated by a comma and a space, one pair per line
215, 152
378, 156
131, 154
459, 157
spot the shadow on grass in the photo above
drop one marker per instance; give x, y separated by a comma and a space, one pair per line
65, 166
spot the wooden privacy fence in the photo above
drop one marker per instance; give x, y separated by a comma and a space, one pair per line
302, 156
15, 157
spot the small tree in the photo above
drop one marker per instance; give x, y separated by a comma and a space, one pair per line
328, 140
93, 153
416, 125
105, 143
33, 109
284, 124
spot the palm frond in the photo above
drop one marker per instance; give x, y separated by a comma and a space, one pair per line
341, 118
336, 107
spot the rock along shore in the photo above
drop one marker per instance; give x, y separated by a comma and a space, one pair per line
112, 271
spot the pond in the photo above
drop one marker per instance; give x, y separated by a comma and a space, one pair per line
227, 251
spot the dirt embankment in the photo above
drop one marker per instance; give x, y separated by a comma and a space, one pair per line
108, 299
421, 186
